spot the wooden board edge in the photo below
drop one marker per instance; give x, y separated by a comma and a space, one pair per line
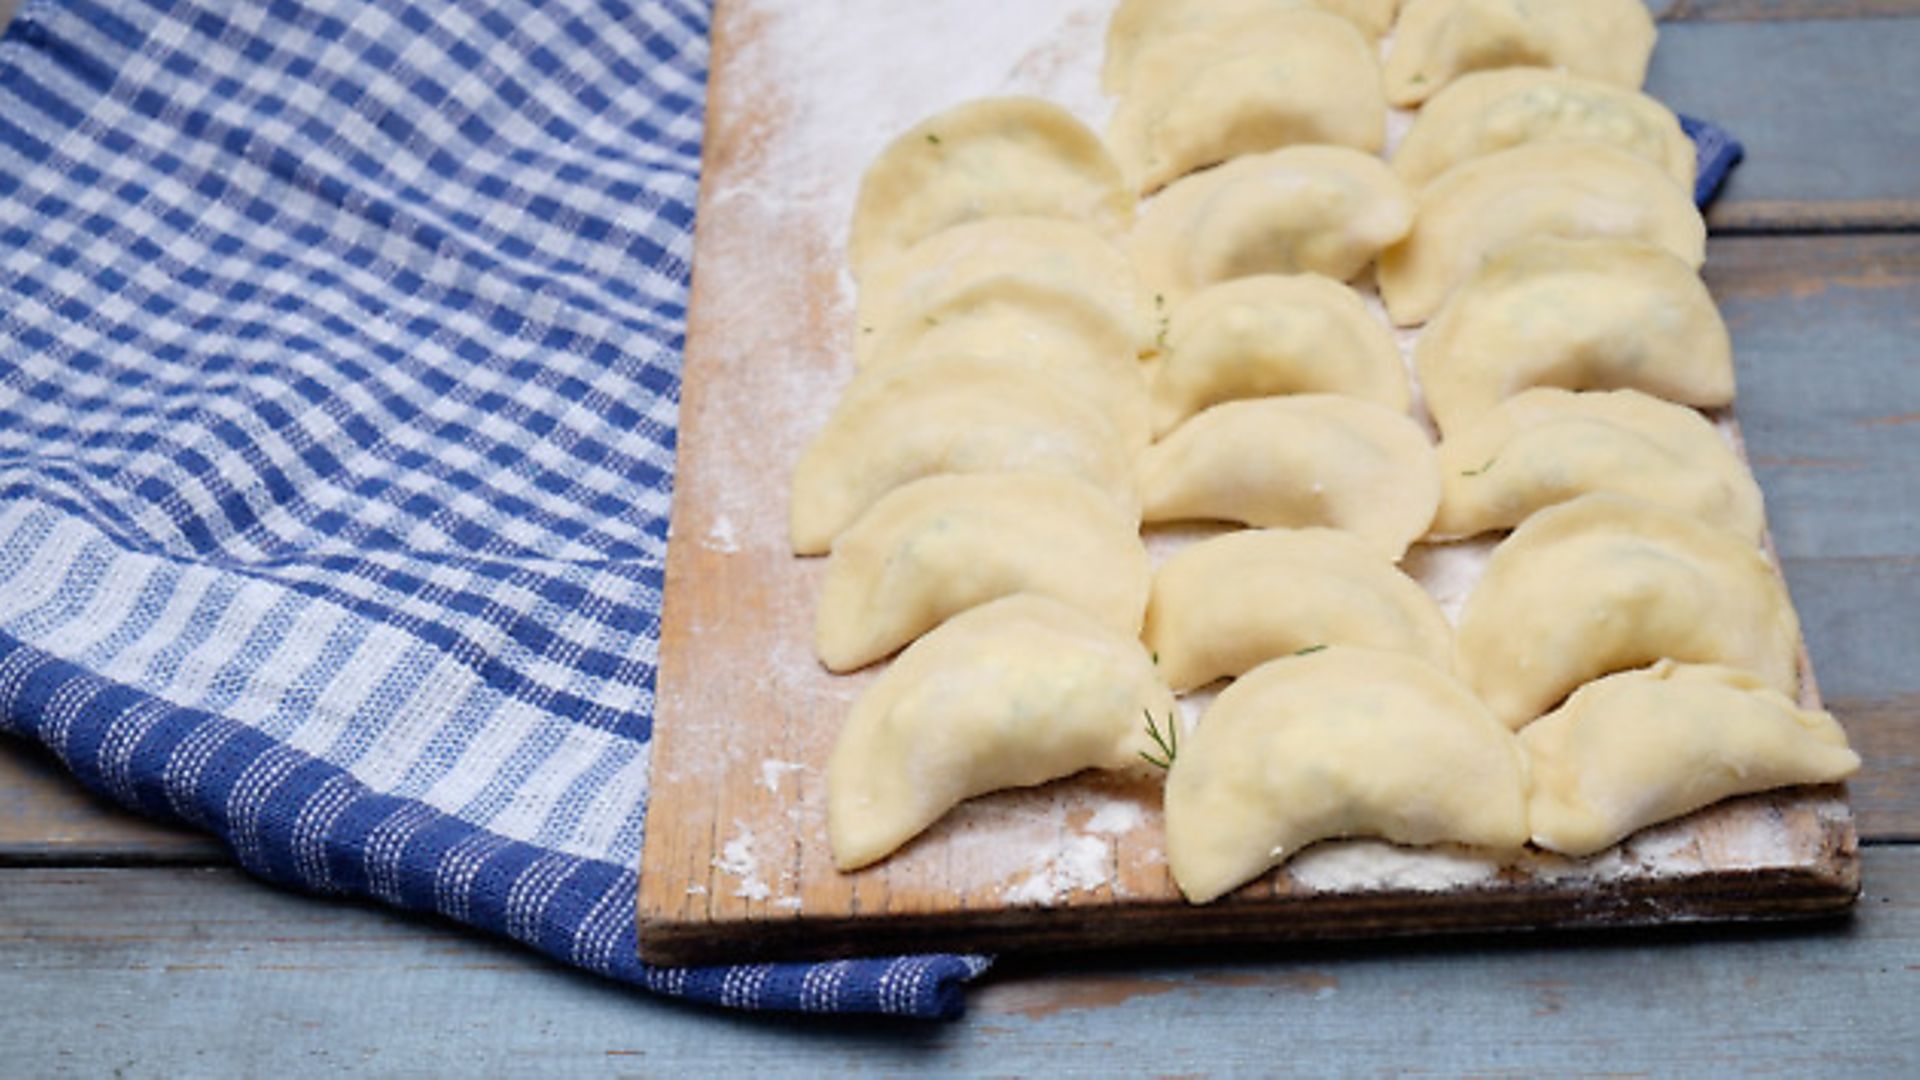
1824, 887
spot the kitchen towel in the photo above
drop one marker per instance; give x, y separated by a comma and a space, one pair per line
339, 361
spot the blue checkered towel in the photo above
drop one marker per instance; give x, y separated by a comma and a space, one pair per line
338, 377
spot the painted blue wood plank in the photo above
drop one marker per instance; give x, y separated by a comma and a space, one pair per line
163, 973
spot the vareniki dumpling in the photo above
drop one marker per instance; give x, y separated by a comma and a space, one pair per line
1579, 315
1199, 98
952, 414
1607, 583
1491, 111
1306, 209
1011, 694
936, 547
1293, 462
1437, 41
903, 297
1343, 742
1228, 604
997, 157
1540, 189
1542, 447
1643, 747
1274, 334
1138, 24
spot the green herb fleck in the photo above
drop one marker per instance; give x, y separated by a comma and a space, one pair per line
1156, 659
932, 139
1483, 468
1168, 741
1310, 650
1418, 79
866, 329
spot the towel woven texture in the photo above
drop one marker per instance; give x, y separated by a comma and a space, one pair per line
339, 361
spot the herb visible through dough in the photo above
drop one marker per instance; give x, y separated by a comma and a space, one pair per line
1168, 741
1481, 469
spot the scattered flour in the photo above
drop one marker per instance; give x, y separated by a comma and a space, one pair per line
1116, 817
736, 859
1081, 864
772, 769
1368, 865
720, 537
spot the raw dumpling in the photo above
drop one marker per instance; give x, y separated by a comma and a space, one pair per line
1269, 335
952, 414
1606, 583
1199, 98
1579, 315
997, 157
1011, 694
1138, 24
1541, 189
1647, 746
1023, 324
1543, 447
1228, 604
907, 294
936, 547
1437, 41
1492, 111
1319, 209
1340, 743
1314, 459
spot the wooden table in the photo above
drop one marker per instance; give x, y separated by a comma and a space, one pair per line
130, 949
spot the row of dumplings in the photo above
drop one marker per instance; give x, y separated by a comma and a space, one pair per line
1040, 374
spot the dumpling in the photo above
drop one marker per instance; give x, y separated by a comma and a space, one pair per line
1306, 209
1644, 747
1542, 447
996, 157
1230, 603
1011, 694
952, 414
1491, 111
905, 295
1579, 315
1024, 324
1437, 41
1269, 335
1199, 98
1343, 742
1541, 189
1606, 583
1137, 24
936, 547
1291, 462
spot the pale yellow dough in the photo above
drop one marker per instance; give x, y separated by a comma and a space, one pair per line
1639, 748
1228, 604
1344, 742
1542, 447
1270, 335
1201, 97
1306, 209
1137, 24
950, 271
1011, 694
1540, 189
1490, 111
1577, 315
949, 414
1308, 460
1607, 583
996, 157
934, 548
1437, 41
1022, 324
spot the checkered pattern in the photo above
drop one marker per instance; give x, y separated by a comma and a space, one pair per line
339, 362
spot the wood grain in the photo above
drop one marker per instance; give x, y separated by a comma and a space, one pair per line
1778, 10
164, 973
45, 817
736, 863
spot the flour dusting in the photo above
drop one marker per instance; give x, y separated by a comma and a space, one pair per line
1369, 865
1078, 865
1115, 818
736, 859
720, 536
772, 769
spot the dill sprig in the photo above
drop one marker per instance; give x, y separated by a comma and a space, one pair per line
1168, 741
1482, 469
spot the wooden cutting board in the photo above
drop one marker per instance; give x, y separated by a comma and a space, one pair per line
736, 865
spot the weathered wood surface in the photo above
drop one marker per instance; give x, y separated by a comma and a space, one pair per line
1746, 10
242, 981
1828, 110
47, 818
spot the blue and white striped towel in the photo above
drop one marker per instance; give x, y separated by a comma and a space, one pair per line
339, 361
